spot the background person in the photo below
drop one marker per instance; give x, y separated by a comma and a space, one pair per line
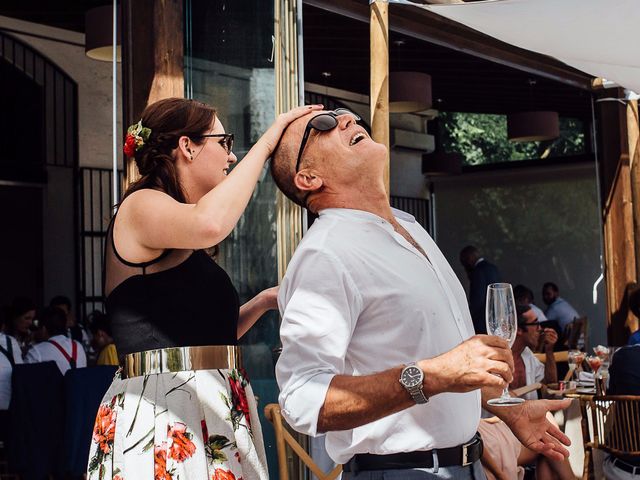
481, 274
22, 313
527, 368
558, 309
102, 339
67, 353
10, 355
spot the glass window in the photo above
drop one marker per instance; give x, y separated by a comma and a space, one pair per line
229, 64
481, 138
535, 226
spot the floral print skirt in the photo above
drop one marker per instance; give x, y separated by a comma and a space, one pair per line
200, 424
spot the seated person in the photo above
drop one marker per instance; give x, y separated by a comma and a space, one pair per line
524, 296
504, 457
558, 308
624, 379
634, 306
102, 340
528, 369
21, 314
74, 330
65, 352
10, 355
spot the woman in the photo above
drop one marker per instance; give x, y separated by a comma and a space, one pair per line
22, 314
181, 410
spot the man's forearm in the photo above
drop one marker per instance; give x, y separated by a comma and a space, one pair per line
355, 401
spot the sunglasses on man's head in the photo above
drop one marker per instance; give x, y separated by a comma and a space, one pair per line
226, 140
323, 123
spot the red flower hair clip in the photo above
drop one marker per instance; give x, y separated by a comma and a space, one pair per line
136, 136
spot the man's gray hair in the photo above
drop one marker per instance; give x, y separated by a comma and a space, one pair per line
283, 171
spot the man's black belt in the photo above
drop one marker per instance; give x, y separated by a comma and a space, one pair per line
627, 467
461, 456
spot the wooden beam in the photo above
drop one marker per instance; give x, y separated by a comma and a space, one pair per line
633, 141
433, 28
618, 218
379, 90
152, 58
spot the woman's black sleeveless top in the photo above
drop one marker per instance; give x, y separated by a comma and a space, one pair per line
182, 298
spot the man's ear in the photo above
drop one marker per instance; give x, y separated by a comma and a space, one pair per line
307, 181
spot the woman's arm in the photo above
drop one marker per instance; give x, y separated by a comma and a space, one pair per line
251, 311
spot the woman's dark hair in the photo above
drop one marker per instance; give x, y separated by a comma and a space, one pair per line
20, 306
168, 119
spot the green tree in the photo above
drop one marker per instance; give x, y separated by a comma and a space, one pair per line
482, 139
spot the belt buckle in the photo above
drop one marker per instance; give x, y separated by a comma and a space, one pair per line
465, 454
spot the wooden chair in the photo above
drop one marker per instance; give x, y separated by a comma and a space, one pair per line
615, 427
575, 330
562, 356
519, 392
284, 439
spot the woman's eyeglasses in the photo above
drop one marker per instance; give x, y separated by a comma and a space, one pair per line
323, 123
226, 140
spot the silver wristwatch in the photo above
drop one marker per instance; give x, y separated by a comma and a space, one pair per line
411, 379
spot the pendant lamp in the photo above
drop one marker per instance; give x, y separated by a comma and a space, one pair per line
409, 92
441, 163
534, 126
99, 34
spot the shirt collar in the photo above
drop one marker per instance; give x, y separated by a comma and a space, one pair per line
363, 215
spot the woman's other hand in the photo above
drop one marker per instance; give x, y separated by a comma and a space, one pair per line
270, 298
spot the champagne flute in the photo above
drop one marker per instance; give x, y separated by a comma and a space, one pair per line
573, 356
502, 321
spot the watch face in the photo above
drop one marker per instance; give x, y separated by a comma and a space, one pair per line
411, 376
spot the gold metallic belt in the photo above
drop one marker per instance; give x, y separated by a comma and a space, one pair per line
180, 359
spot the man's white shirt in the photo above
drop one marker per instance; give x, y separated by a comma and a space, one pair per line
534, 371
358, 299
539, 313
45, 352
6, 369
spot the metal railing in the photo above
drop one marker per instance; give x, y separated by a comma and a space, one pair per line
95, 209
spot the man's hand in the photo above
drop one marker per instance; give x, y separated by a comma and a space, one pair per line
481, 361
529, 424
550, 338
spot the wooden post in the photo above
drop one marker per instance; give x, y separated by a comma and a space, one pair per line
633, 140
289, 215
618, 218
152, 58
379, 91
